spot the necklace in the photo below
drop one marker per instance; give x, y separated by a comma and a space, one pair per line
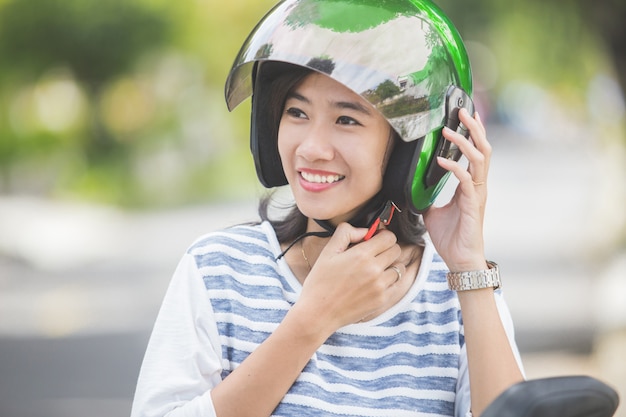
304, 254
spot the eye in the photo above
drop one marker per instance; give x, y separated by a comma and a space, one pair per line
346, 120
295, 112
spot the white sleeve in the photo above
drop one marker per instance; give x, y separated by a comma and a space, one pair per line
183, 358
463, 403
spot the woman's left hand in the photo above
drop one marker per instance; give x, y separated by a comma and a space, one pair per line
456, 229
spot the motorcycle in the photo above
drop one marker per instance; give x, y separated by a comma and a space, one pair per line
565, 396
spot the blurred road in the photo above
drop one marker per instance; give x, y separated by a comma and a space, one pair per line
78, 298
80, 286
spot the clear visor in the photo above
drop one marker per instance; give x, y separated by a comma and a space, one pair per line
370, 54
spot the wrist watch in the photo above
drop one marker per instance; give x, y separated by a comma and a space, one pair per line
474, 280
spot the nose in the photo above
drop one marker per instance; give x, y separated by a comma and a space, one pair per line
316, 143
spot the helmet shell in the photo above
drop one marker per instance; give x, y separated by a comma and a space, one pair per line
399, 55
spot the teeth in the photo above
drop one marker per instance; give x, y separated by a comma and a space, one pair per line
321, 179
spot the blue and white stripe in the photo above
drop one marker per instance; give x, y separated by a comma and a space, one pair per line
403, 363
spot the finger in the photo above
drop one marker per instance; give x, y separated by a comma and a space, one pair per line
478, 154
469, 149
389, 256
472, 122
463, 175
345, 235
397, 271
382, 240
479, 164
478, 133
480, 122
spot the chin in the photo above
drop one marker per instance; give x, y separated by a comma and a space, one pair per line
321, 209
316, 214
324, 213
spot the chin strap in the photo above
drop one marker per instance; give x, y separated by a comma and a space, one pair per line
367, 217
327, 233
384, 216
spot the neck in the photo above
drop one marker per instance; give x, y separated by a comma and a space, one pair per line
313, 245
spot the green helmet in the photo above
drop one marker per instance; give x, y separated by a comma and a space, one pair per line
405, 57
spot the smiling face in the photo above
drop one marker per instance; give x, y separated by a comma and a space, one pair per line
333, 147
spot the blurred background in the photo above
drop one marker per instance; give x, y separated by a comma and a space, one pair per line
117, 151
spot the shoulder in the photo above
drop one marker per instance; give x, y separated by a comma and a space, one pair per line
250, 238
237, 245
236, 253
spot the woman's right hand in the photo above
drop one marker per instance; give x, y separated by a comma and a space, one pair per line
352, 280
348, 282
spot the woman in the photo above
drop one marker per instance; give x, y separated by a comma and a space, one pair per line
342, 307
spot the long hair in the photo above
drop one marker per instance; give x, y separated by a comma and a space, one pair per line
408, 227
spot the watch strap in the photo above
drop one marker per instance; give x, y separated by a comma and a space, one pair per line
474, 280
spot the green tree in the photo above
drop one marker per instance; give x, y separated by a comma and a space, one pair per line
96, 40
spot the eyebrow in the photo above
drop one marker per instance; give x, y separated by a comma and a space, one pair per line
351, 105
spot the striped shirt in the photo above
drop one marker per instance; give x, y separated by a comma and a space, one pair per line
228, 295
